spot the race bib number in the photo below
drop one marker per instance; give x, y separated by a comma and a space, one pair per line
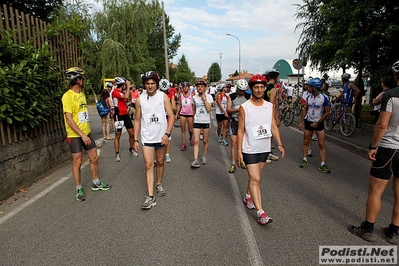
119, 124
153, 119
261, 132
83, 117
186, 102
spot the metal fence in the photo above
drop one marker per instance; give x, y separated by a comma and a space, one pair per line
64, 47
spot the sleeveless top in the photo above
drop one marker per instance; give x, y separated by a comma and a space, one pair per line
348, 94
186, 104
257, 136
223, 102
153, 117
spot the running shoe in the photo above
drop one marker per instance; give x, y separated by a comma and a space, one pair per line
203, 159
191, 142
117, 157
167, 158
249, 203
160, 191
243, 165
303, 164
148, 203
309, 154
195, 164
201, 136
268, 161
219, 139
263, 219
392, 237
133, 152
324, 169
358, 231
183, 147
272, 157
232, 168
100, 186
224, 142
314, 137
80, 195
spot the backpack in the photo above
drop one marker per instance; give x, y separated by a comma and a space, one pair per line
102, 108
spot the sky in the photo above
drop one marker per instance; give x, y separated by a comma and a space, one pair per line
265, 30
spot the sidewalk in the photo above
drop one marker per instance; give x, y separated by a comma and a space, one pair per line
357, 143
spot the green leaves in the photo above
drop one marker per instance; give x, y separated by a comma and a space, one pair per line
29, 81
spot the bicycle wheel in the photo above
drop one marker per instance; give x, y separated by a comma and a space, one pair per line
297, 108
288, 117
348, 124
329, 122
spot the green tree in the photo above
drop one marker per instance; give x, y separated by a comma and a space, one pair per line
46, 10
183, 71
214, 73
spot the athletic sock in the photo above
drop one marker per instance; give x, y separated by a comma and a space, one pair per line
96, 181
78, 187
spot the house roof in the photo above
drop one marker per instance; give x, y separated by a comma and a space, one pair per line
244, 75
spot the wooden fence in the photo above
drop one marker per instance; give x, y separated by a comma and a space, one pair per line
64, 47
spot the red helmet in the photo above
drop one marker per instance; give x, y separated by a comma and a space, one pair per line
200, 82
257, 78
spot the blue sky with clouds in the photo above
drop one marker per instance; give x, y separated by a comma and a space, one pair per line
265, 28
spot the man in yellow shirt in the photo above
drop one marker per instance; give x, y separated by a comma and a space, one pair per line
76, 117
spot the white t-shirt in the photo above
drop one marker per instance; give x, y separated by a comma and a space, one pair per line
202, 116
257, 136
212, 90
153, 117
290, 89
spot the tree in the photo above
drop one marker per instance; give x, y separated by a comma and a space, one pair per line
46, 10
214, 73
183, 72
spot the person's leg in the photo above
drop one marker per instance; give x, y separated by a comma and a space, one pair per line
107, 127
395, 210
148, 156
321, 135
183, 122
196, 142
93, 156
205, 139
233, 148
117, 140
224, 130
130, 131
103, 127
76, 164
190, 122
306, 140
160, 157
219, 129
376, 188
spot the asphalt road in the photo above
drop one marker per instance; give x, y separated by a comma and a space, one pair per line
201, 220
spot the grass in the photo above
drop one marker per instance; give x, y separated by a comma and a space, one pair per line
365, 116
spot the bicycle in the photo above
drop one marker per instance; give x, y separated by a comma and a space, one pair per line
339, 115
286, 113
297, 104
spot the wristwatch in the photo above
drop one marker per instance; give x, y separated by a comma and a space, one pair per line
371, 147
167, 134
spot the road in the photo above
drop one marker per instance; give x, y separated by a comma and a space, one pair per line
201, 220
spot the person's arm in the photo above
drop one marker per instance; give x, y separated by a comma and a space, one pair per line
208, 105
277, 137
357, 92
173, 103
72, 124
136, 128
379, 130
178, 108
274, 101
378, 99
171, 122
240, 134
231, 110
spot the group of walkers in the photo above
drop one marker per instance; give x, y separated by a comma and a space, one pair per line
252, 135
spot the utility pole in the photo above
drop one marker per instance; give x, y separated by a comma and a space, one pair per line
165, 44
221, 73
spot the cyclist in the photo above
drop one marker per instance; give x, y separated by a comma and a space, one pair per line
202, 105
164, 86
270, 95
122, 118
349, 94
254, 142
185, 113
383, 151
316, 110
233, 107
305, 95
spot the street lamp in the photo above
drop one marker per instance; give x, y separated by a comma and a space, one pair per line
221, 74
239, 54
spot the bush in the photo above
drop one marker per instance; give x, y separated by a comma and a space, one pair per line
29, 78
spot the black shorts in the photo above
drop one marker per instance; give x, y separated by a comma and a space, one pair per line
187, 116
386, 164
255, 158
221, 117
157, 146
77, 145
201, 125
233, 127
126, 120
308, 126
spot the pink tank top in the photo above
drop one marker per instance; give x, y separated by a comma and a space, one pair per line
186, 105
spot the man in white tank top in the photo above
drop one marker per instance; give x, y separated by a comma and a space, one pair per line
254, 142
151, 109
